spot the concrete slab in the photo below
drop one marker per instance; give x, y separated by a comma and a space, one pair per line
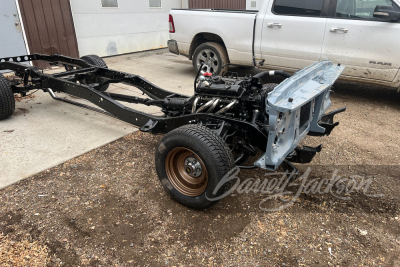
43, 132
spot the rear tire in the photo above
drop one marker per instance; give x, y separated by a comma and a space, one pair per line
98, 62
95, 60
7, 100
190, 162
214, 55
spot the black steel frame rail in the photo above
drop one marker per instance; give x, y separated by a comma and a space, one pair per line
34, 78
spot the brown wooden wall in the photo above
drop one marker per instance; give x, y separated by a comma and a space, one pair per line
49, 28
220, 4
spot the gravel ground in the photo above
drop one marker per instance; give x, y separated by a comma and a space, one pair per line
107, 207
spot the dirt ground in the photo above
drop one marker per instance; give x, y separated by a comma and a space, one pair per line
107, 207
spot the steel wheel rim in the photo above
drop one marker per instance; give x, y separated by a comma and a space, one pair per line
209, 58
179, 176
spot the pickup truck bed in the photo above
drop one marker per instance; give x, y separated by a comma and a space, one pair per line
238, 46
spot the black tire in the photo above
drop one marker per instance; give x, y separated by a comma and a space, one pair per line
95, 60
98, 62
216, 49
213, 154
7, 100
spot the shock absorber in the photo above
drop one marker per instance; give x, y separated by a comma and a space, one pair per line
256, 113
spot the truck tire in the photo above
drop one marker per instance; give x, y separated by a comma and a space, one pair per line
190, 162
7, 100
99, 62
213, 54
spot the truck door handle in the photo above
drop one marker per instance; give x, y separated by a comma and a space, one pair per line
338, 29
271, 25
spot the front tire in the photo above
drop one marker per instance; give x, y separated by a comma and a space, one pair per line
7, 100
190, 162
213, 55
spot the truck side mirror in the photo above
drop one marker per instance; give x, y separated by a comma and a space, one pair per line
386, 13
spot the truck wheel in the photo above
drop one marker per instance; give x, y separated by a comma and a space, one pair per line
7, 100
190, 162
213, 55
99, 62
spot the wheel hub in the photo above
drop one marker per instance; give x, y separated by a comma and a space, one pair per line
186, 171
209, 59
193, 167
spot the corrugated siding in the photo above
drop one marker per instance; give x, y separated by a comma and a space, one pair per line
219, 4
49, 28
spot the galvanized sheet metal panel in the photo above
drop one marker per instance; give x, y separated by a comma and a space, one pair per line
310, 86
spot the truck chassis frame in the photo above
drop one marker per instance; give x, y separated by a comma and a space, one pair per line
195, 154
66, 82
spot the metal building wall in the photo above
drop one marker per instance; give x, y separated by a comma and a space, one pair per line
218, 4
131, 27
49, 27
12, 39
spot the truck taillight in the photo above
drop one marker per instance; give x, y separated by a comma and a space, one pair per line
171, 24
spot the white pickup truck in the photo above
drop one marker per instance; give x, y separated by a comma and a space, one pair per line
289, 35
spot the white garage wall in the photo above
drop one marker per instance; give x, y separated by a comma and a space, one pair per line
131, 27
258, 4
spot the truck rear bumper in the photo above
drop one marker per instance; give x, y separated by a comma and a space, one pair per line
173, 47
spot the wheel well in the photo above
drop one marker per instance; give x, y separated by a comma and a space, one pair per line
202, 38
